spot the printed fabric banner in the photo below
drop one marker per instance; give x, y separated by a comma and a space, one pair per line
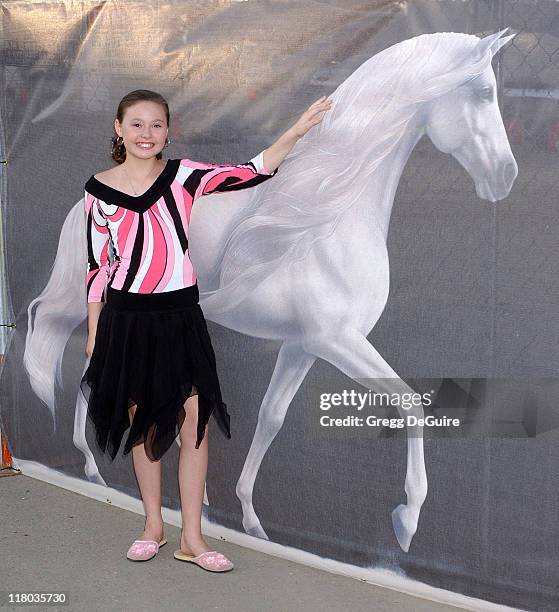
384, 309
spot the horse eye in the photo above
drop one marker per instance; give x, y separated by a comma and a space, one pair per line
485, 93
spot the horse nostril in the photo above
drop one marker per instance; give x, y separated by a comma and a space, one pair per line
509, 172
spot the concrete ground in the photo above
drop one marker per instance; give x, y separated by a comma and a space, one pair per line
56, 540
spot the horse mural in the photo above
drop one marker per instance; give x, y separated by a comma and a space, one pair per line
302, 259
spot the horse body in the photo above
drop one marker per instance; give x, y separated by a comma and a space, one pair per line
325, 303
329, 287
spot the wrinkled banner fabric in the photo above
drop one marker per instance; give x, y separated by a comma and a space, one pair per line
407, 245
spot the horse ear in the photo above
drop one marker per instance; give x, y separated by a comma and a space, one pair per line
501, 42
493, 42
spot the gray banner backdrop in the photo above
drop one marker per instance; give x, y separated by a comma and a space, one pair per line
472, 312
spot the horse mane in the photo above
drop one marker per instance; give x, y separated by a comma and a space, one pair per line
322, 176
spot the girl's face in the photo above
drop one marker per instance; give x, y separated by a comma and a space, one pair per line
143, 129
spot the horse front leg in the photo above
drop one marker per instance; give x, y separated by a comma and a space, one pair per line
291, 368
351, 352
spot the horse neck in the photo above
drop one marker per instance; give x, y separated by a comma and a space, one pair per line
375, 203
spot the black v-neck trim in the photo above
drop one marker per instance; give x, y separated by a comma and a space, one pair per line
110, 195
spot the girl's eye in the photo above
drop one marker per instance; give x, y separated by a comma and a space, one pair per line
135, 124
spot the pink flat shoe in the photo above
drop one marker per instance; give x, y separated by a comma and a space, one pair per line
144, 550
211, 560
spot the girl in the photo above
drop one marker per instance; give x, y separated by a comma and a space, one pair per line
152, 366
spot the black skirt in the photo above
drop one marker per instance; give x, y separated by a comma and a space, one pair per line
152, 350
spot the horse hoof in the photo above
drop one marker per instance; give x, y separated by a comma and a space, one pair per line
404, 522
256, 531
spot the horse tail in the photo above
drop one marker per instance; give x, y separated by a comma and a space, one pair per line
54, 314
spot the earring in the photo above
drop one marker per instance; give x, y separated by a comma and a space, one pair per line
167, 143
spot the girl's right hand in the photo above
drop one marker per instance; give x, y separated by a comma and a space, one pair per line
311, 116
90, 344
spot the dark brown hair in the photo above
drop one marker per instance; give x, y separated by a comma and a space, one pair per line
118, 152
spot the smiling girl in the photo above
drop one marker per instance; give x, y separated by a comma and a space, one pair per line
152, 366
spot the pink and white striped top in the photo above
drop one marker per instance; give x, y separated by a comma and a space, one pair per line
148, 234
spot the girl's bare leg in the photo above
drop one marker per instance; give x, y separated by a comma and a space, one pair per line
148, 475
193, 467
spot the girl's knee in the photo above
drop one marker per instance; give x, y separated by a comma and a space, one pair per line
189, 429
189, 435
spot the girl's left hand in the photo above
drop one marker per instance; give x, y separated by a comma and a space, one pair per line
311, 116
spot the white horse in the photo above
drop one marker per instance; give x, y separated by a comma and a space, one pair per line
302, 258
